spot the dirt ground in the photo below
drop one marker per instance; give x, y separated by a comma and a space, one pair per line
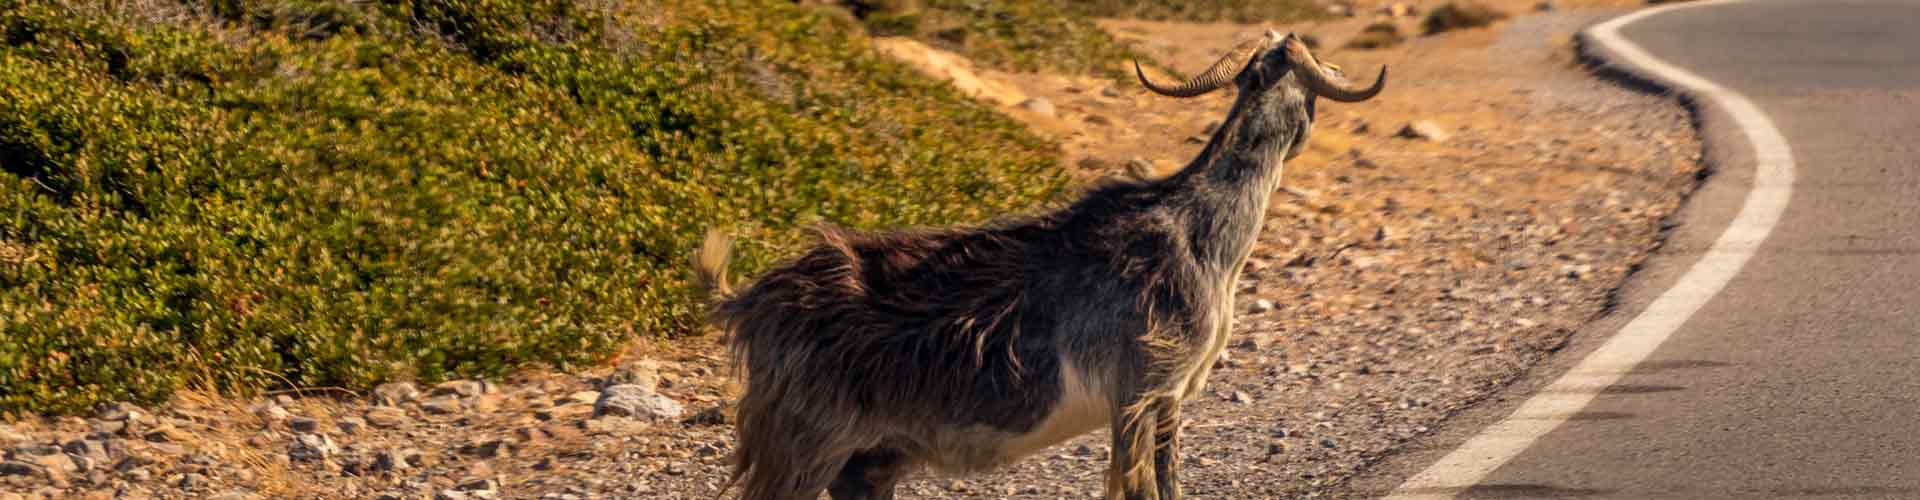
1398, 281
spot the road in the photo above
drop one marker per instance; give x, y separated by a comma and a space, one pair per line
1801, 377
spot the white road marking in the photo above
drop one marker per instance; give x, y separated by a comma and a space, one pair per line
1553, 405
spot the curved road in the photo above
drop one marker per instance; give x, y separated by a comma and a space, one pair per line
1800, 378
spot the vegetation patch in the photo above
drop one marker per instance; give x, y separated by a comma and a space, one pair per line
1460, 15
303, 194
1378, 35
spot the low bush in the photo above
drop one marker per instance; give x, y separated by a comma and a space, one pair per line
1460, 15
1378, 35
300, 193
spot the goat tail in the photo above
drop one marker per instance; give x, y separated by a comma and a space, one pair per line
710, 264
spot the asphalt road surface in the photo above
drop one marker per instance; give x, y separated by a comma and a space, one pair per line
1801, 377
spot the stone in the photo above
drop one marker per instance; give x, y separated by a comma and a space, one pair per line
483, 448
1544, 6
441, 405
478, 484
192, 481
638, 402
350, 425
582, 397
395, 393
122, 412
271, 412
397, 459
233, 495
460, 388
1262, 305
644, 373
387, 417
168, 434
1038, 105
20, 468
34, 450
93, 450
1424, 130
1110, 91
303, 424
311, 447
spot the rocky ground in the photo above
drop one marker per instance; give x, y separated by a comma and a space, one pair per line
1430, 247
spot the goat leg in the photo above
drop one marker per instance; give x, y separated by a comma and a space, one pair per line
869, 475
1131, 470
1166, 452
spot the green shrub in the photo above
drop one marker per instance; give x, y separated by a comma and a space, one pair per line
1460, 15
299, 193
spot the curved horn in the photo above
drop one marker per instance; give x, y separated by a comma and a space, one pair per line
1332, 87
1220, 74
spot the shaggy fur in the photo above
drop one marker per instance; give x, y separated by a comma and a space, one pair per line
872, 355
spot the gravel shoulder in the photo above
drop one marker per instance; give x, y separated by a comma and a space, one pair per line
1401, 278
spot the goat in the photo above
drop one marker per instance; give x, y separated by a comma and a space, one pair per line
873, 355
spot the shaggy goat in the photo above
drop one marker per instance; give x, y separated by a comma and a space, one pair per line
873, 355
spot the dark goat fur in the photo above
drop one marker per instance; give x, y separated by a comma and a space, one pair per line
875, 354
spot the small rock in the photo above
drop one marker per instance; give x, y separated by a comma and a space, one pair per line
271, 412
1242, 397
451, 495
1424, 130
8, 435
1038, 105
1262, 305
1110, 91
485, 448
459, 388
583, 397
387, 417
1544, 6
395, 393
350, 425
643, 373
481, 484
311, 447
1098, 119
303, 424
233, 495
1339, 10
1398, 9
191, 481
442, 405
93, 450
122, 412
19, 468
397, 459
168, 434
34, 450
636, 401
1577, 271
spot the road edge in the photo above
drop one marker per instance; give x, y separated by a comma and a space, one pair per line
1715, 109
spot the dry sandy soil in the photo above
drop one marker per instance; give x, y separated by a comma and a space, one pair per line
1398, 281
